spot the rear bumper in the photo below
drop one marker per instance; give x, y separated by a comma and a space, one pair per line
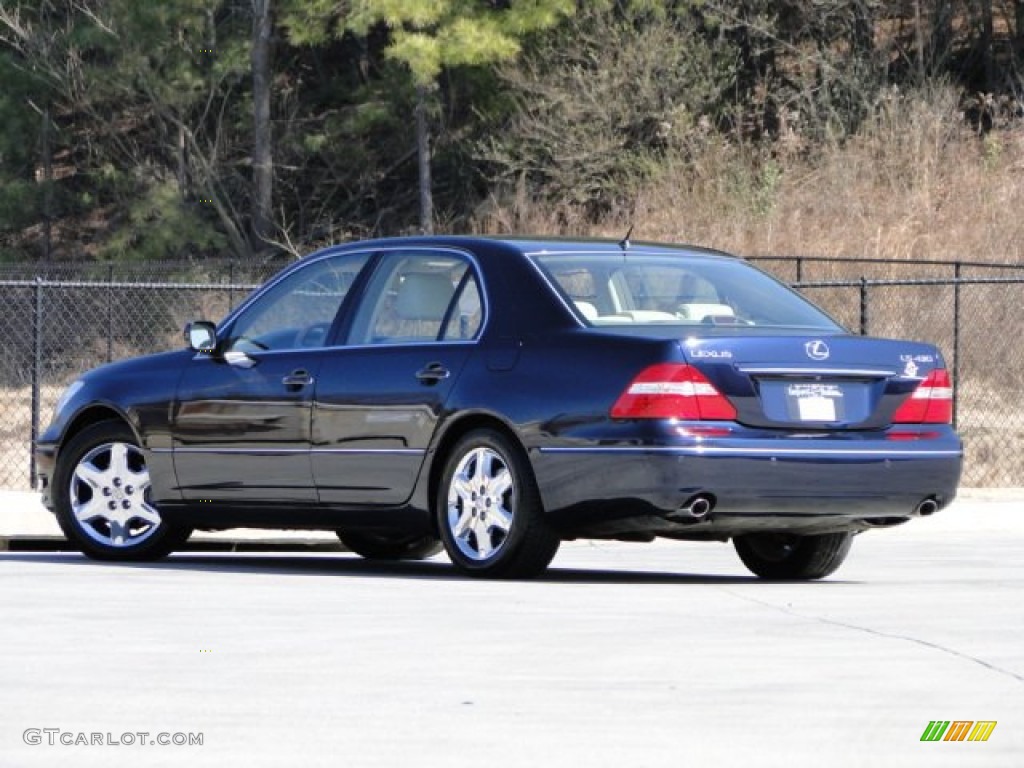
797, 484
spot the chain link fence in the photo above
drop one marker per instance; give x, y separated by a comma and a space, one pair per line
64, 319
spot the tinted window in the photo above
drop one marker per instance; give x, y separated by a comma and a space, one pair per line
666, 289
297, 313
419, 297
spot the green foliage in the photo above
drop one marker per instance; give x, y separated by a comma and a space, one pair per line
992, 149
576, 103
20, 194
429, 35
19, 201
159, 225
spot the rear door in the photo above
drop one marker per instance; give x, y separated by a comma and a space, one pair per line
379, 398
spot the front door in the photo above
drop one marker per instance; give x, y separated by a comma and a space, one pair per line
242, 420
241, 432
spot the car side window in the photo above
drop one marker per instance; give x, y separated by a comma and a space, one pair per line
298, 312
417, 298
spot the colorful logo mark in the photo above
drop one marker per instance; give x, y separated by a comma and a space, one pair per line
958, 730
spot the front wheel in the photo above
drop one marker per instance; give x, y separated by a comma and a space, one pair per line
489, 511
787, 556
102, 496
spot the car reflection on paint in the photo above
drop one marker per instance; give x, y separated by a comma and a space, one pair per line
496, 397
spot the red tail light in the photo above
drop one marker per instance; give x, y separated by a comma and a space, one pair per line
672, 391
930, 403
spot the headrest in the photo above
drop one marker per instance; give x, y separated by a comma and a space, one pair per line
424, 296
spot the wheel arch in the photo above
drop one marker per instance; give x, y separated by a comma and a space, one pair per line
455, 431
94, 414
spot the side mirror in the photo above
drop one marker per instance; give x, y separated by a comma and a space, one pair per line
201, 336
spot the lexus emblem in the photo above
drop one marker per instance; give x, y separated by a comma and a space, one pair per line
817, 350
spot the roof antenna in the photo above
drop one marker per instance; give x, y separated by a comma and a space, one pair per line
624, 243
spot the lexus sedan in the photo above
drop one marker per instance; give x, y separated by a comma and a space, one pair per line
494, 397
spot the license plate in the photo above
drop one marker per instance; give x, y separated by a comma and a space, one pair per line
815, 402
816, 408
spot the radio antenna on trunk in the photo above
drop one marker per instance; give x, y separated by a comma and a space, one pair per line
624, 243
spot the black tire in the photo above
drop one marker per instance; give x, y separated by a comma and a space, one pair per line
379, 546
787, 556
497, 528
131, 529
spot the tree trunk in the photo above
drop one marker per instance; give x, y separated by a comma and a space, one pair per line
47, 185
986, 45
1018, 32
423, 155
942, 37
182, 164
863, 30
919, 43
262, 152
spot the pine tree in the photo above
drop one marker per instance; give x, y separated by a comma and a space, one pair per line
428, 36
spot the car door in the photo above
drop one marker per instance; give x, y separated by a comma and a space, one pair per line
241, 422
379, 398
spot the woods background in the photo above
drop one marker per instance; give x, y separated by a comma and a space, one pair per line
194, 128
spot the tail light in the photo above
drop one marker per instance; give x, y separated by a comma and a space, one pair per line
930, 403
672, 391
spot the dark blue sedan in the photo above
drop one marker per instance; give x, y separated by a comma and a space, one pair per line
496, 397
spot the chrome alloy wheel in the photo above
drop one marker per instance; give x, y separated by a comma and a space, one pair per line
109, 496
481, 504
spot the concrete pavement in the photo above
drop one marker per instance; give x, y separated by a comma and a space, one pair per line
666, 654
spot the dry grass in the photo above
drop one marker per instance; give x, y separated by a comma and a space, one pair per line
15, 429
992, 431
916, 182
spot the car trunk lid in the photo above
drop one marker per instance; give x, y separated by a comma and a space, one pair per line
813, 382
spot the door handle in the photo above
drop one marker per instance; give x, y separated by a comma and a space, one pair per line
432, 373
297, 380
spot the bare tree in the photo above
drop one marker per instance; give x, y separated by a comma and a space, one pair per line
423, 156
987, 32
262, 148
1018, 16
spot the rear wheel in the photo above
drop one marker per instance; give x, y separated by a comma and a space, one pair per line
489, 511
379, 546
787, 556
102, 496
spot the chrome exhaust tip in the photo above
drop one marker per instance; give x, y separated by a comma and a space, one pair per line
927, 507
694, 510
699, 507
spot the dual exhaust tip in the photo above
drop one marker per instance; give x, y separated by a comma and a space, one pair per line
700, 506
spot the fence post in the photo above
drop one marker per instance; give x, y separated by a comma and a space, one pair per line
110, 312
956, 341
37, 373
799, 269
863, 306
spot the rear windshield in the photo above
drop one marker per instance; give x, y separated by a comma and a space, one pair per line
610, 289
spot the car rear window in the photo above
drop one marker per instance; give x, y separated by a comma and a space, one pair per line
640, 288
